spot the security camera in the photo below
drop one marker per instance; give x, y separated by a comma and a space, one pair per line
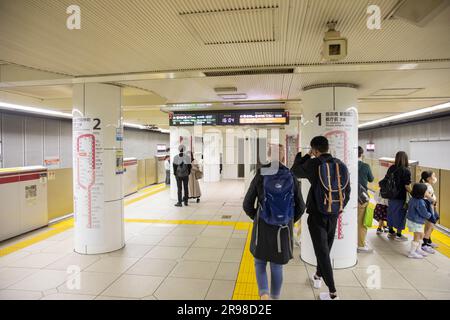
334, 46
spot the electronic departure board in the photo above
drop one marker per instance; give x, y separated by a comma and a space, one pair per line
192, 119
230, 118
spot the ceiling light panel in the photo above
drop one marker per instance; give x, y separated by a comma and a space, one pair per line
225, 89
235, 96
396, 92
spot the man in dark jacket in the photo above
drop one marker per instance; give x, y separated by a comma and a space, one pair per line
321, 227
271, 243
182, 169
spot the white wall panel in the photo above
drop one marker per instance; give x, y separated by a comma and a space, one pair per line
34, 141
430, 134
13, 141
65, 144
28, 140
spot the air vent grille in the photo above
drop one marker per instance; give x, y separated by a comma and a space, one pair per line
245, 72
230, 26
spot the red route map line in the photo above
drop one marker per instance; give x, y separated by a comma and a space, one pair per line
92, 180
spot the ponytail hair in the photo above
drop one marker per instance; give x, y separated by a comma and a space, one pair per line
425, 176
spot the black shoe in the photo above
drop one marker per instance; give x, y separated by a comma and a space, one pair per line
178, 204
186, 204
198, 200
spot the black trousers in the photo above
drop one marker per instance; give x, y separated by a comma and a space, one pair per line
183, 183
322, 229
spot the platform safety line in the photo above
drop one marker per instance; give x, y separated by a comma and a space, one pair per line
66, 224
54, 230
146, 194
246, 287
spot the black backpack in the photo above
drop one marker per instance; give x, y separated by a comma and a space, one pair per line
182, 170
388, 187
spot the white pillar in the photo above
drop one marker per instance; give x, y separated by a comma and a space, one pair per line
97, 168
212, 145
331, 110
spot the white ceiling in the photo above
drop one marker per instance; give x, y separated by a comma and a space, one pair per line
133, 36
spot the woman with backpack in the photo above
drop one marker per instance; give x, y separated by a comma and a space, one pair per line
397, 202
280, 204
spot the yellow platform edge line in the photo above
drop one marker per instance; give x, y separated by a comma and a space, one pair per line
66, 224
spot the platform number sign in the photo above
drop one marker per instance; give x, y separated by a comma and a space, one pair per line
97, 122
319, 118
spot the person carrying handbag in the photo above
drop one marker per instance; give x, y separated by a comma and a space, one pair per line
196, 174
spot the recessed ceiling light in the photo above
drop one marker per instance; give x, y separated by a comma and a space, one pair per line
236, 96
225, 89
395, 92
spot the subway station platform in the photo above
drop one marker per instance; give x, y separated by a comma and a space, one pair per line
200, 252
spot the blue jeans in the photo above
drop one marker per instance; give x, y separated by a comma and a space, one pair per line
276, 273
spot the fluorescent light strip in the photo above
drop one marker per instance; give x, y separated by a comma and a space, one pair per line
405, 115
45, 112
135, 126
16, 107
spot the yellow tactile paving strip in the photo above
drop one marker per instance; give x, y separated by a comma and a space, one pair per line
246, 287
54, 230
64, 225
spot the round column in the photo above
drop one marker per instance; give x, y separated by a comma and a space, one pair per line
331, 111
97, 168
212, 145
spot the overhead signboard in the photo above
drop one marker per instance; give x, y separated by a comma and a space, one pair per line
192, 119
230, 118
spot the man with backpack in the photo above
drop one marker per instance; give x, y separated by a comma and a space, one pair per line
327, 197
182, 169
279, 205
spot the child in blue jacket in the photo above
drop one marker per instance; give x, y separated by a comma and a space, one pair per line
418, 213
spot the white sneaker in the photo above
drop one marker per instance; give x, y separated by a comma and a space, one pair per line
415, 255
326, 296
421, 252
317, 283
365, 249
428, 249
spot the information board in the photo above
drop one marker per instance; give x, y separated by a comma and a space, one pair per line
230, 118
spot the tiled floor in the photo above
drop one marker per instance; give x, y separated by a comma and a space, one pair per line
187, 261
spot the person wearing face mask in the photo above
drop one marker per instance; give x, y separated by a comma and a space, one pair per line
429, 179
